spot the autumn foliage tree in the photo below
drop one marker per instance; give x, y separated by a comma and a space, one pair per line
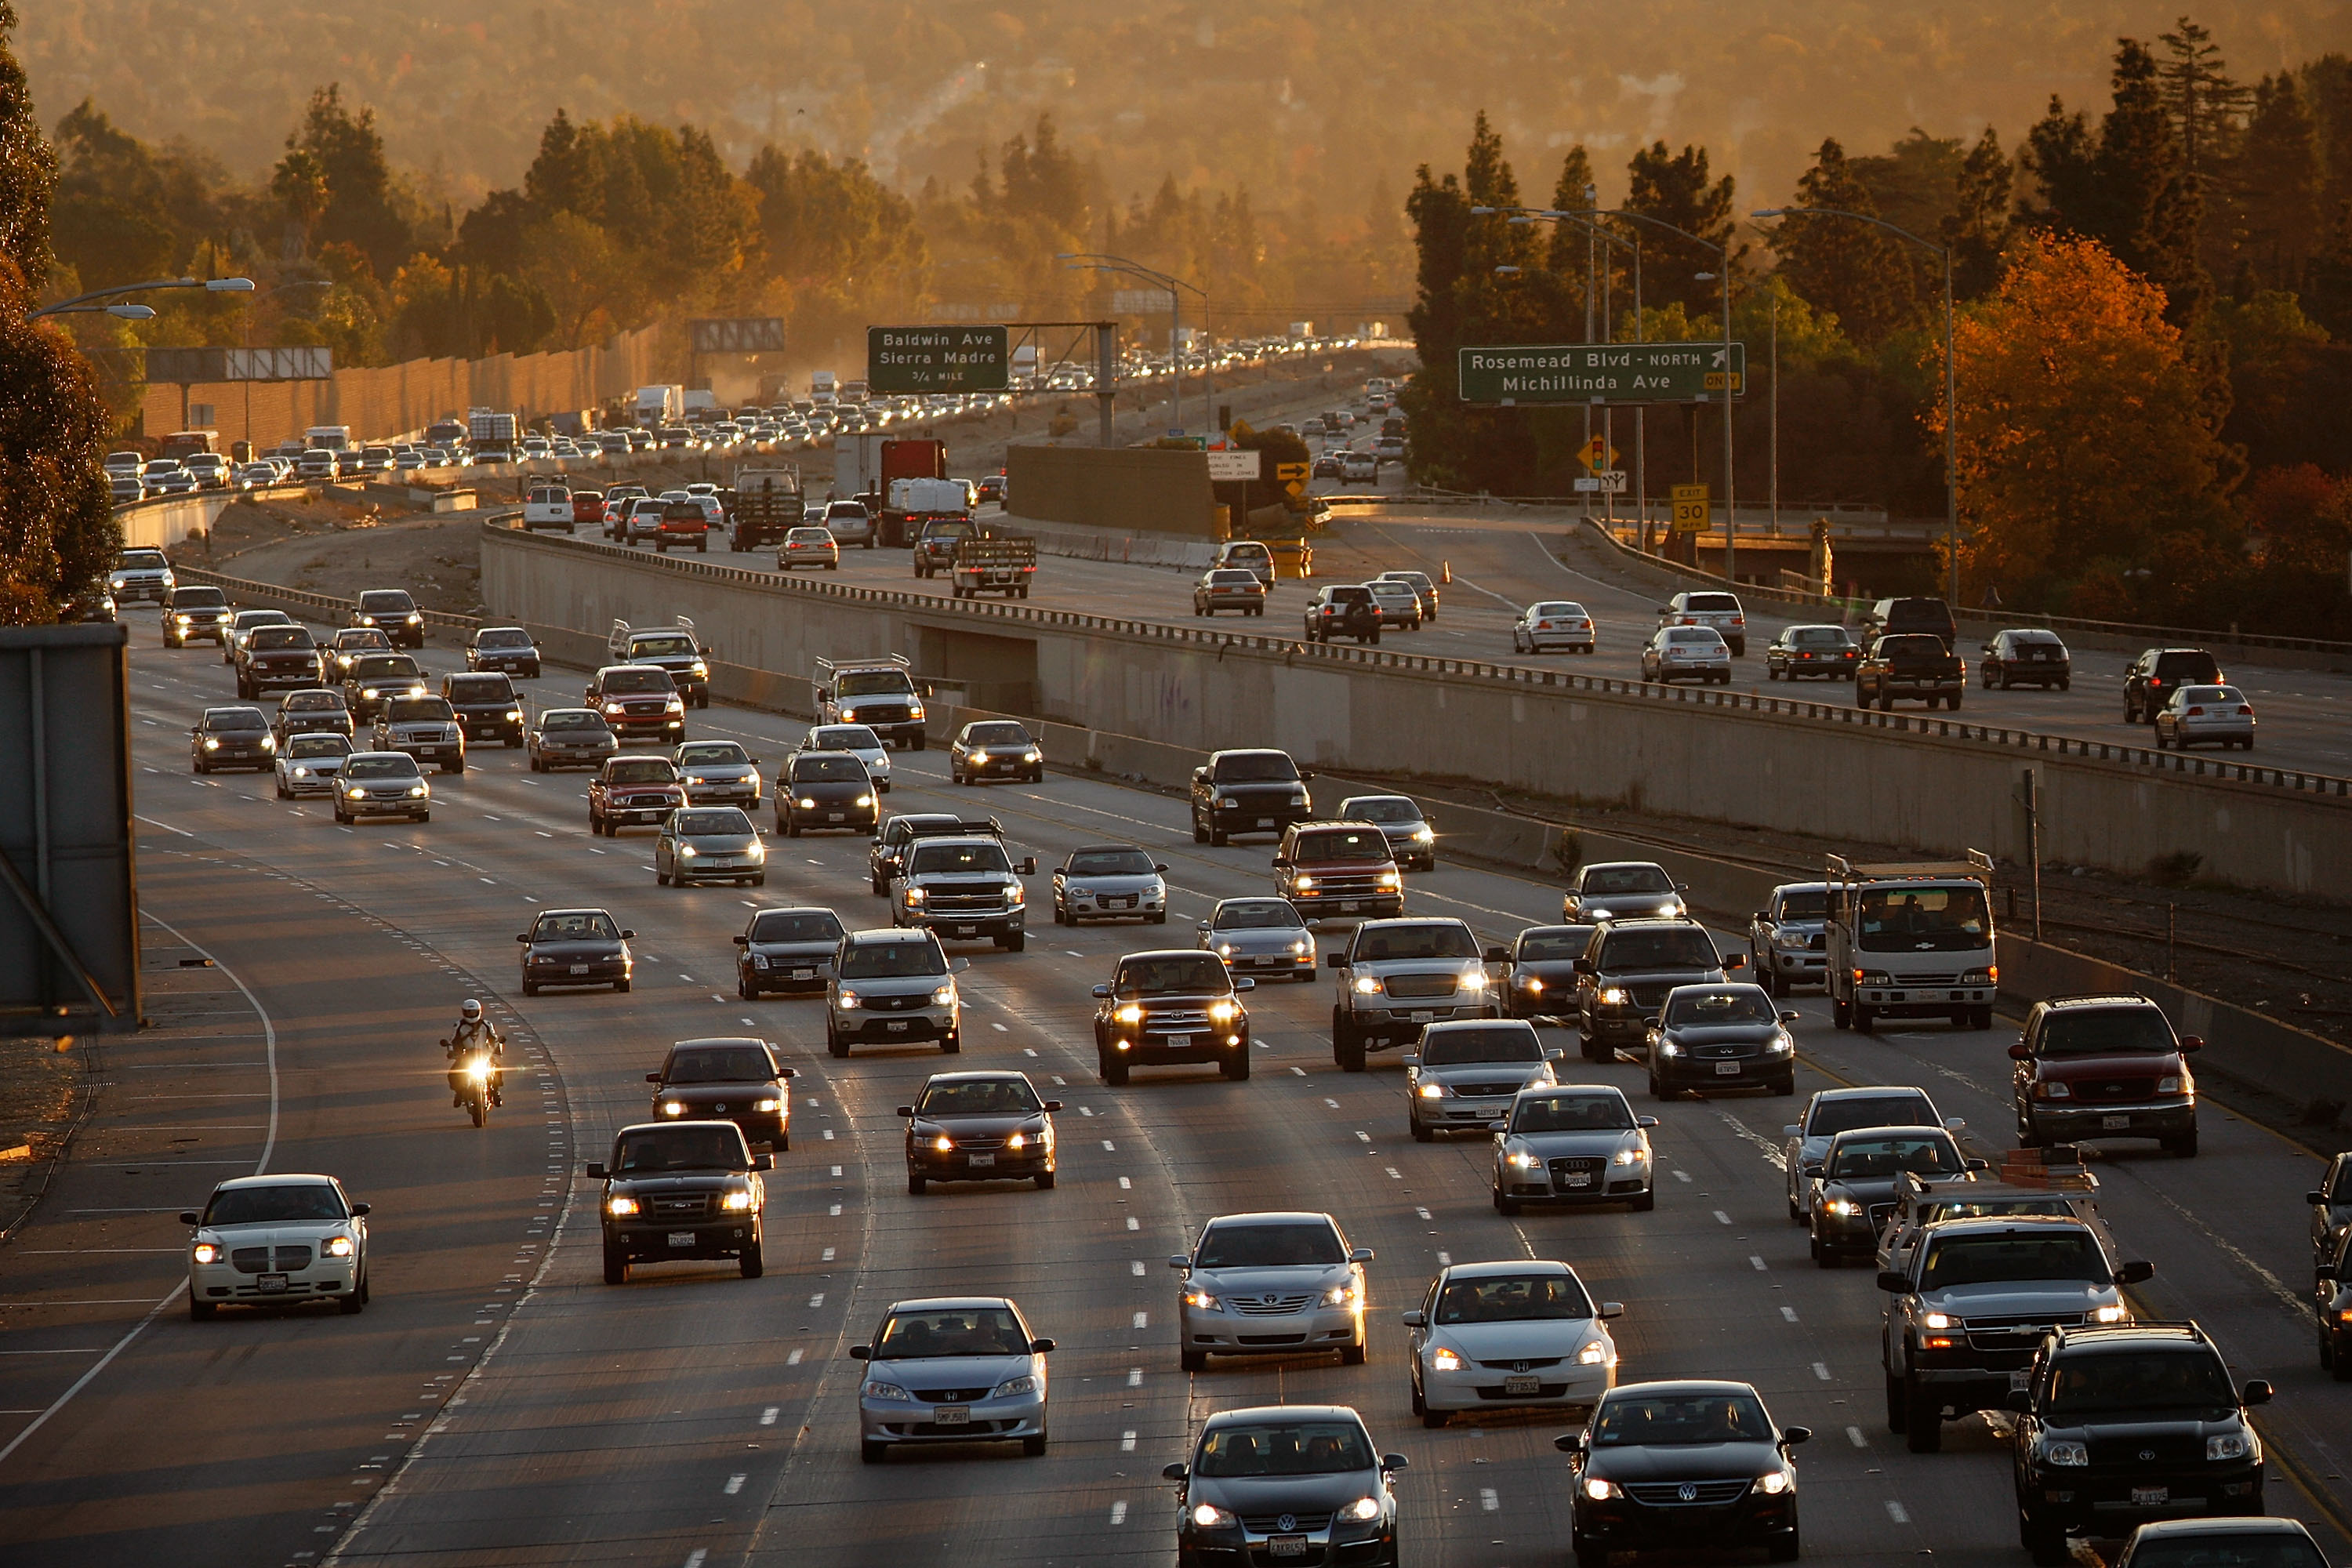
2092, 470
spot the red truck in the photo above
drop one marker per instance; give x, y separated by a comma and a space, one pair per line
913, 458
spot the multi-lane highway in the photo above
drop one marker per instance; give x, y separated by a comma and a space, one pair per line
497, 1404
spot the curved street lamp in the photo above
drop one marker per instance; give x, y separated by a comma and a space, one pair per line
79, 304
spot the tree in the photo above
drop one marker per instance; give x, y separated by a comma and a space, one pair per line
2300, 522
2275, 191
2088, 442
1857, 271
1673, 188
336, 182
2059, 159
2199, 98
1573, 250
29, 167
1980, 223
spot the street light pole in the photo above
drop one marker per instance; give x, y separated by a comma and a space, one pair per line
77, 304
1951, 388
1100, 262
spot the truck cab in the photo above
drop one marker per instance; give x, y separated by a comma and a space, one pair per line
879, 693
1911, 941
963, 887
673, 649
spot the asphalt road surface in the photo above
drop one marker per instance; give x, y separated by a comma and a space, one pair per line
499, 1405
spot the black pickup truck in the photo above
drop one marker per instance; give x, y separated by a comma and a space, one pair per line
1910, 665
935, 547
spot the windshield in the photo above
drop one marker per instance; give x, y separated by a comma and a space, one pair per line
873, 683
385, 601
1911, 645
2187, 667
1381, 809
638, 681
1553, 944
1556, 609
668, 644
1450, 940
808, 536
950, 1331
1925, 919
416, 710
278, 637
980, 1097
2116, 1382
142, 560
1223, 578
235, 719
481, 689
1519, 1299
639, 771
1296, 1449
385, 666
1805, 906
2190, 695
818, 767
1710, 1009
2107, 1031
1174, 974
503, 639
786, 925
1109, 863
1680, 1420
1714, 602
294, 1203
1684, 947
891, 960
1606, 879
359, 638
1255, 914
845, 738
658, 1149
710, 752
959, 859
580, 927
720, 1064
1706, 635
381, 767
717, 822
197, 598
1452, 1045
1588, 1112
571, 719
312, 702
1277, 1244
1256, 767
1835, 1116
318, 746
1882, 1157
1984, 1208
997, 734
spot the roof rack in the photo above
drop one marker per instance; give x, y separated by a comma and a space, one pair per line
1977, 867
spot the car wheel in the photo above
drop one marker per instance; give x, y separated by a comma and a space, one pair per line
871, 1452
1035, 1448
916, 1183
1865, 1019
1193, 1361
1114, 1071
616, 1266
2047, 1544
1356, 1354
1923, 1420
1645, 1202
199, 1310
1420, 1133
2183, 1147
1787, 1549
1981, 1017
621, 985
1044, 1180
1503, 1205
833, 1044
661, 879
952, 1043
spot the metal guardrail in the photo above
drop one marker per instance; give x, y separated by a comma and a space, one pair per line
2326, 786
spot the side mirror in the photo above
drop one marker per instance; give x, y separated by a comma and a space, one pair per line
1761, 918
2021, 1052
1813, 1168
524, 936
1335, 960
1682, 886
1101, 992
1737, 961
1498, 1127
1053, 1105
1415, 1319
1029, 864
1245, 984
1645, 1121
1040, 1347
1891, 1282
1159, 867
1796, 1435
363, 1210
1498, 956
2018, 1399
1398, 1461
960, 965
2314, 1197
1304, 775
2325, 1271
628, 935
1555, 1055
1651, 1022
2192, 1043
1788, 1018
1954, 1124
190, 1216
1280, 864
742, 941
1976, 1164
2137, 1271
1411, 1058
2258, 1392
861, 1352
1792, 1130
653, 1077
1179, 1262
1569, 1442
763, 1162
1361, 1255
596, 1171
1204, 925
1611, 1309
788, 1072
752, 762
1174, 1473
905, 1111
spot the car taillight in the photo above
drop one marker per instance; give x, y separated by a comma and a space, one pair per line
2196, 712
2247, 711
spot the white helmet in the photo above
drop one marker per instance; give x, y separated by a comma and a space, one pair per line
470, 1011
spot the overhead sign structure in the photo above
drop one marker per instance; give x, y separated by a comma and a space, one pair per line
938, 359
736, 334
1690, 508
1600, 373
201, 366
1225, 467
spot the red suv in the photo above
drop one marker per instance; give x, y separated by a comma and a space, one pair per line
2104, 1066
1328, 868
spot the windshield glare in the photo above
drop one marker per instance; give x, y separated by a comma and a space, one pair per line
1608, 879
1278, 1243
1685, 947
681, 1149
958, 859
788, 927
1109, 863
1448, 941
954, 1331
1520, 1298
1259, 914
1680, 1420
1381, 809
1338, 844
981, 1097
889, 959
1740, 1005
570, 720
1451, 1046
381, 767
1833, 1116
819, 767
1180, 974
294, 1203
1881, 1158
2114, 1381
2119, 1031
1573, 1113
1298, 1448
720, 1064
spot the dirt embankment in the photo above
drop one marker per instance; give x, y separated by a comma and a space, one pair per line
338, 541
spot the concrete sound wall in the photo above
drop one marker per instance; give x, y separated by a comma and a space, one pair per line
1934, 785
1128, 488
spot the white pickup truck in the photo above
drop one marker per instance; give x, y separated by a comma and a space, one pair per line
675, 649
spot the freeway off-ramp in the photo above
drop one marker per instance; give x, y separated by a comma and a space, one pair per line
499, 1405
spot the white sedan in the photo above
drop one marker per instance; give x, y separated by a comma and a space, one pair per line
1554, 623
808, 546
268, 1240
1516, 1334
861, 742
2199, 715
308, 761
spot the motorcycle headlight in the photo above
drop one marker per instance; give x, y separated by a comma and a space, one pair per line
736, 1203
620, 1204
340, 1247
1363, 1508
207, 1252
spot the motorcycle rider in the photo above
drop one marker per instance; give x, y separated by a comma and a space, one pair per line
475, 1032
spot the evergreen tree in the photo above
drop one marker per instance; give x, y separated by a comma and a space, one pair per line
1857, 271
2150, 208
2061, 159
2327, 88
2276, 189
1573, 252
29, 167
2201, 101
1673, 187
1978, 227
336, 160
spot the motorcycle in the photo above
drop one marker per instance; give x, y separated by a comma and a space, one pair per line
476, 1075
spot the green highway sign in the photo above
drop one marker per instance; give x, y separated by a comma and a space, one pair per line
937, 359
1601, 372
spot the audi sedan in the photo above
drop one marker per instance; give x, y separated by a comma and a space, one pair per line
957, 1369
1271, 1284
979, 1127
1463, 1074
1573, 1143
1519, 1334
1682, 1466
1709, 1037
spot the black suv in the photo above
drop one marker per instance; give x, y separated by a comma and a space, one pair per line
1623, 977
1248, 792
2117, 1425
2027, 654
1889, 618
681, 1190
2155, 675
486, 706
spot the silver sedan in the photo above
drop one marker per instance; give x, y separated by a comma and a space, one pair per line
1271, 1284
1260, 935
957, 1369
2202, 715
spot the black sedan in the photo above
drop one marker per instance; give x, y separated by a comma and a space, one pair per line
575, 947
1682, 1465
505, 648
1541, 980
1812, 653
827, 790
232, 738
569, 738
1286, 1483
1859, 1176
979, 1127
786, 949
994, 748
2024, 656
729, 1078
1710, 1037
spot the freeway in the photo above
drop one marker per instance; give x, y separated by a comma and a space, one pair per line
1500, 567
499, 1405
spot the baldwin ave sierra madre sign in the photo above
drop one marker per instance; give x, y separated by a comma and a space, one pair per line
937, 359
1600, 373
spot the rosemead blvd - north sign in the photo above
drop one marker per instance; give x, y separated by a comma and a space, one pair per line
1601, 372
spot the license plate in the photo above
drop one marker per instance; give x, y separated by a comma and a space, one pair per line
1522, 1386
271, 1284
1425, 1016
1578, 1178
953, 1416
2020, 1377
1179, 1042
1726, 1069
835, 815
979, 1162
965, 930
579, 968
804, 975
1349, 906
1265, 822
681, 1238
2150, 1496
2114, 1124
1286, 1546
898, 1026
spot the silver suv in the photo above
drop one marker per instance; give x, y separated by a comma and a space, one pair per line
1719, 610
893, 986
1787, 938
1271, 1284
1397, 976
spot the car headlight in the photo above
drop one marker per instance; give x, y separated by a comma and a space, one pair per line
2064, 1452
692, 779
2230, 1445
914, 710
673, 1108
1473, 980
1423, 834
268, 743
1431, 1091
356, 793
2053, 1091
736, 1203
849, 1001
1388, 878
1669, 1049
976, 756
182, 619
1302, 945
1029, 756
1779, 1044
806, 802
1521, 1159
1200, 1298
674, 706
1225, 950
2169, 1084
1445, 1359
864, 799
2113, 1313
847, 714
1529, 983
1366, 986
1614, 996
1980, 978
1873, 977
944, 996
1843, 1207
1013, 1385
1600, 1490
1630, 1156
1015, 894
1209, 1516
340, 1247
609, 707
414, 619
756, 850
1772, 1483
1224, 1012
770, 1103
1226, 803
685, 851
207, 1252
514, 715
1363, 1508
883, 1391
1667, 912
419, 790
620, 1204
1341, 1296
301, 773
1131, 1014
697, 668
1939, 1319
1302, 882
1594, 1354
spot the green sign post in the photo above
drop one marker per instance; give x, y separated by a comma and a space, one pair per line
937, 359
1601, 372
